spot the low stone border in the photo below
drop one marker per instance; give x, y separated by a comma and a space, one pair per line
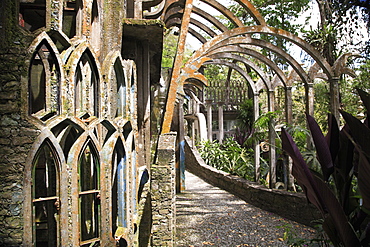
293, 206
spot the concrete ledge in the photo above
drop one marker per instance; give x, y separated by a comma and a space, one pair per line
293, 206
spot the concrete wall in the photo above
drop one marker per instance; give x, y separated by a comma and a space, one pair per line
95, 48
293, 206
163, 192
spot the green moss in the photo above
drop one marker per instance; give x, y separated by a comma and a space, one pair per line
142, 22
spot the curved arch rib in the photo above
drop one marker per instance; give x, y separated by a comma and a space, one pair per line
225, 11
255, 54
248, 64
266, 45
234, 67
271, 31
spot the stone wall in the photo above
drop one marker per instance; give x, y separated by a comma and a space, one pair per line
293, 206
163, 192
16, 135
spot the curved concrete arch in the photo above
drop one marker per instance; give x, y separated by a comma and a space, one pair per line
340, 68
247, 63
225, 11
173, 22
210, 18
194, 82
237, 68
197, 35
173, 12
152, 3
270, 31
203, 27
157, 13
253, 53
253, 12
266, 45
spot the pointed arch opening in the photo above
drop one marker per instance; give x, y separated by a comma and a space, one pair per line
45, 197
118, 78
86, 87
89, 195
44, 83
119, 190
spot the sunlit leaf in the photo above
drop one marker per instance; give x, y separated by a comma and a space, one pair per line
322, 148
301, 172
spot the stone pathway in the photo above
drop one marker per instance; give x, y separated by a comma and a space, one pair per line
209, 216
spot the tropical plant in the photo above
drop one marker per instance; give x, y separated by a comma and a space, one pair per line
344, 157
229, 157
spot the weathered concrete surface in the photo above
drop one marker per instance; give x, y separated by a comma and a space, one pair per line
292, 206
209, 216
163, 192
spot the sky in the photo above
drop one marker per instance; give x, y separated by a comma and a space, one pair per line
312, 11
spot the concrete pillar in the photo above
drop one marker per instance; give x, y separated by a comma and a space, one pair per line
334, 98
309, 106
220, 121
256, 146
309, 99
272, 136
172, 91
163, 192
180, 163
288, 105
209, 119
289, 121
138, 10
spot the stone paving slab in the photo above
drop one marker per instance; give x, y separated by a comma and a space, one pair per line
209, 216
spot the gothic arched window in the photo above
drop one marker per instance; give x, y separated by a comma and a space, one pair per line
89, 195
121, 89
119, 188
86, 87
44, 83
45, 195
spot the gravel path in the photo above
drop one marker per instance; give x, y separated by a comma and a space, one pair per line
209, 216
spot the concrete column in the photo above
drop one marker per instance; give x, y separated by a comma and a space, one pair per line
288, 106
172, 91
289, 120
309, 106
209, 119
196, 106
163, 192
256, 146
309, 99
138, 11
272, 136
334, 98
220, 121
180, 163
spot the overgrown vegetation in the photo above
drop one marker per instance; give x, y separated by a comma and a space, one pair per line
229, 157
341, 190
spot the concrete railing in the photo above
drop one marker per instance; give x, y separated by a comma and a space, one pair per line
293, 206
